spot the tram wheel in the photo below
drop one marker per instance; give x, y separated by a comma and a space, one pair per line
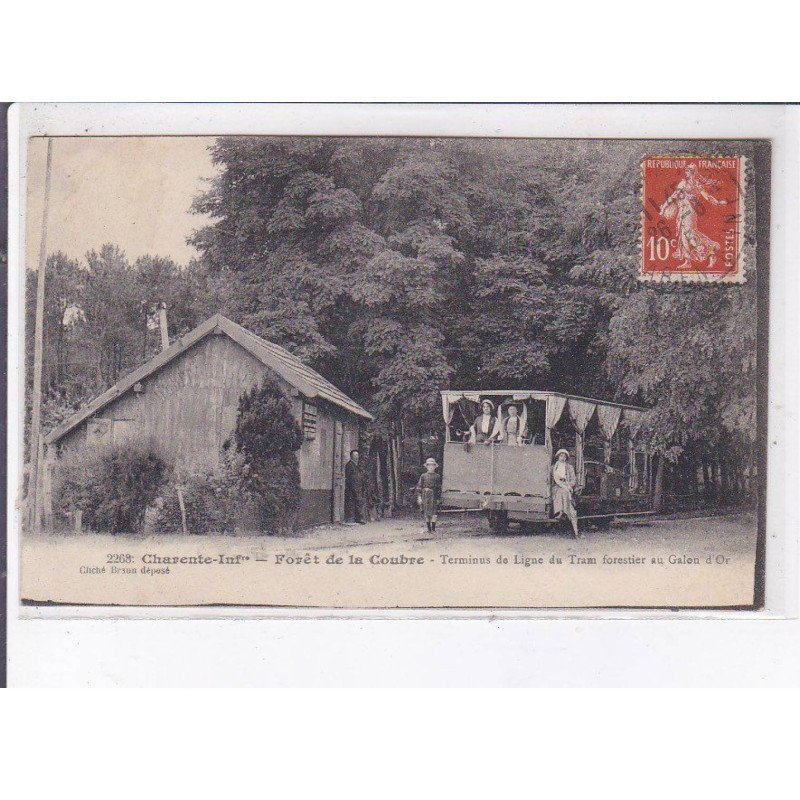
498, 521
533, 528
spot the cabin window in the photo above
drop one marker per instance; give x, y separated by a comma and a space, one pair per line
309, 421
563, 435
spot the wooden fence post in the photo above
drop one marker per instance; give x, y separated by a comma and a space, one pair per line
46, 465
398, 483
378, 485
183, 511
658, 489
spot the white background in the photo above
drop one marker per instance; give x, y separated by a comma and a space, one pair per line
427, 52
470, 744
391, 745
633, 651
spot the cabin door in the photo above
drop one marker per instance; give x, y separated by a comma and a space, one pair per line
338, 472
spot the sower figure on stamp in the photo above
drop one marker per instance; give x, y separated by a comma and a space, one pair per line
565, 482
692, 245
353, 489
429, 492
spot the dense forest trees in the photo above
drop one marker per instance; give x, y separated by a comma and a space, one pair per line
100, 321
403, 266
398, 267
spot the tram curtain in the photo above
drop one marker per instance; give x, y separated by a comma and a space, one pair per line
608, 418
632, 418
553, 409
580, 412
447, 411
523, 426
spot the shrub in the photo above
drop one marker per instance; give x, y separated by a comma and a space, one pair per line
267, 438
111, 485
211, 500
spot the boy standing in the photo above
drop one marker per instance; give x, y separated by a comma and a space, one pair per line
429, 492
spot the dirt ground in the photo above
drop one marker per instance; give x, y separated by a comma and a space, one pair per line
697, 534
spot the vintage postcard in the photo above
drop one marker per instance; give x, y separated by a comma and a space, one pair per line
394, 372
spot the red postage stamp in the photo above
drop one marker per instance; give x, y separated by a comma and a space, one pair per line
693, 219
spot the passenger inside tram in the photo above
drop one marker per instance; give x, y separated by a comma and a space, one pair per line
485, 429
511, 422
514, 430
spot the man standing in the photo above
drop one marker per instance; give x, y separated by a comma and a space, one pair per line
353, 489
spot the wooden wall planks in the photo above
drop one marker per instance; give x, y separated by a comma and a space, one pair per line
188, 408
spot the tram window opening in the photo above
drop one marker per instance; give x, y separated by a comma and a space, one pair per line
536, 421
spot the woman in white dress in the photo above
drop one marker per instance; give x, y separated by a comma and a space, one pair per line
564, 480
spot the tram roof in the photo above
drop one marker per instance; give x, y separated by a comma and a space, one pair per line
530, 394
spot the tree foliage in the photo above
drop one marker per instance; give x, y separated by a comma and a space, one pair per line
100, 321
398, 267
687, 351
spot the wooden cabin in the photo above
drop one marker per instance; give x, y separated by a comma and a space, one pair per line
187, 397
